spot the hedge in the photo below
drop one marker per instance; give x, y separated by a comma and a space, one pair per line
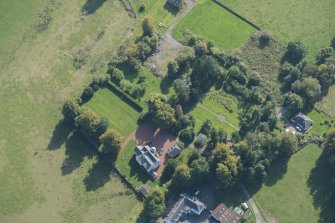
125, 97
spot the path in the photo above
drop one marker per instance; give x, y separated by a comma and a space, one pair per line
168, 45
259, 218
218, 117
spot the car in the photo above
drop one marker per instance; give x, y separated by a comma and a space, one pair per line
244, 206
160, 151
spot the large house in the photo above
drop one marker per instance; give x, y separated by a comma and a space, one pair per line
186, 205
147, 158
222, 214
301, 122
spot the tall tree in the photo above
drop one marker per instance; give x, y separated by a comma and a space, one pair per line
199, 170
111, 141
148, 26
88, 122
154, 203
71, 109
181, 178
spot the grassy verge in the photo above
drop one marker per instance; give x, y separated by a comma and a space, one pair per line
215, 23
121, 116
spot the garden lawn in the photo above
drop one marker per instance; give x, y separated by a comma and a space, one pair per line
328, 103
321, 123
121, 116
200, 115
310, 21
215, 23
290, 199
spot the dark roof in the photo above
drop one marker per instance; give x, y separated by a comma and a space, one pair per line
144, 189
302, 121
174, 151
178, 3
147, 158
225, 215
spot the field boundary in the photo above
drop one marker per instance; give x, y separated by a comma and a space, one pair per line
124, 97
238, 15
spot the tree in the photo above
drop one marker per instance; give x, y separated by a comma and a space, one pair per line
87, 93
309, 88
111, 141
173, 68
165, 117
324, 54
200, 141
117, 76
186, 121
264, 39
288, 145
199, 170
182, 89
226, 165
329, 146
181, 178
179, 111
88, 122
154, 203
333, 43
260, 173
148, 26
71, 109
293, 103
295, 52
234, 73
206, 128
326, 75
187, 135
200, 49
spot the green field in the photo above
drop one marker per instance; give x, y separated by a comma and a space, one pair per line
319, 126
121, 116
215, 23
47, 173
310, 21
328, 103
289, 199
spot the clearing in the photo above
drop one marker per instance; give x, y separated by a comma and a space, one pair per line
297, 188
310, 21
215, 23
121, 116
48, 173
328, 103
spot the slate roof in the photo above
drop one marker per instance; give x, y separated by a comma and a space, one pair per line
178, 3
222, 214
302, 122
174, 151
147, 158
185, 205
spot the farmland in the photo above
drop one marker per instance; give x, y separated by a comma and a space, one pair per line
47, 172
309, 21
215, 23
121, 116
293, 189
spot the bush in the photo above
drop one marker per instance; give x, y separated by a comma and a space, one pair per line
264, 39
187, 135
296, 51
200, 141
173, 68
87, 93
148, 26
117, 76
142, 8
141, 78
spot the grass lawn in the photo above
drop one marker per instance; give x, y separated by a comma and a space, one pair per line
44, 169
290, 198
319, 127
310, 21
215, 23
328, 103
121, 116
200, 115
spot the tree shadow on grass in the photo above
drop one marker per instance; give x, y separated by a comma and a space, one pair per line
76, 149
276, 172
91, 6
322, 187
60, 135
165, 84
135, 170
98, 175
171, 8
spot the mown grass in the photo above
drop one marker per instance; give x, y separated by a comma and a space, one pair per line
215, 23
35, 146
321, 123
310, 21
328, 103
121, 116
290, 199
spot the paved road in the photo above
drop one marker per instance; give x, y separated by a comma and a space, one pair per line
218, 116
259, 218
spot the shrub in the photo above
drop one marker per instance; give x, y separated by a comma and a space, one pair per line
296, 51
142, 8
173, 68
264, 39
148, 26
117, 76
87, 93
200, 141
187, 135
